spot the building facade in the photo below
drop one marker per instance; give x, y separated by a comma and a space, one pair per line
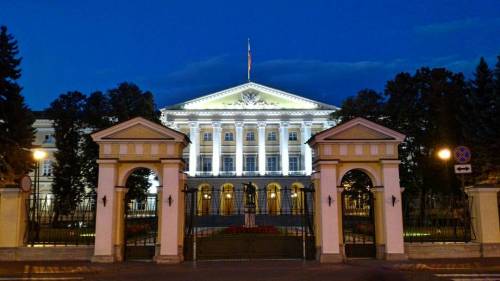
248, 133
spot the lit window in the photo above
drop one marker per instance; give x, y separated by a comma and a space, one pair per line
271, 136
292, 136
47, 168
250, 136
207, 136
228, 136
48, 139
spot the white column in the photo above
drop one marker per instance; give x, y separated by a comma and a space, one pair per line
194, 136
262, 148
393, 216
216, 142
239, 148
328, 216
106, 214
284, 147
172, 212
306, 149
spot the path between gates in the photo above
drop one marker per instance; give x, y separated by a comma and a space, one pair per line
359, 269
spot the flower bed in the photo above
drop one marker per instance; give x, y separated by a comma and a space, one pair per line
263, 229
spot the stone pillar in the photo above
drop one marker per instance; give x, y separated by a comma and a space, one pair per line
120, 193
13, 217
485, 218
172, 212
262, 148
327, 211
106, 217
284, 148
378, 212
194, 136
216, 143
305, 148
239, 148
392, 211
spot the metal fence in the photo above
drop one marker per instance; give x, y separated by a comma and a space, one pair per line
437, 218
47, 226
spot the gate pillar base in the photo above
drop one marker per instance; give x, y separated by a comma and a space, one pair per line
103, 259
168, 259
395, 256
490, 250
331, 258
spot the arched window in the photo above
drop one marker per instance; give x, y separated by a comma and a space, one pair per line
204, 199
227, 200
297, 198
273, 198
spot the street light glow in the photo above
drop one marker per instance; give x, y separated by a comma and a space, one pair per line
39, 154
444, 154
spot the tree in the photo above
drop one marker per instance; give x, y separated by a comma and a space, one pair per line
483, 126
367, 103
128, 101
68, 186
96, 116
16, 119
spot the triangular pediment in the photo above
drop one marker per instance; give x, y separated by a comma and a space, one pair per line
139, 129
358, 129
251, 96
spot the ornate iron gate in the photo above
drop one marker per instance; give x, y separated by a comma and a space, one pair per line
358, 223
220, 223
141, 225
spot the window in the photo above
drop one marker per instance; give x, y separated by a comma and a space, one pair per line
228, 136
250, 163
271, 136
186, 163
293, 164
272, 163
47, 168
250, 136
48, 139
228, 164
292, 136
207, 136
206, 164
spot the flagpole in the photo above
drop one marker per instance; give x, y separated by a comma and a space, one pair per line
249, 61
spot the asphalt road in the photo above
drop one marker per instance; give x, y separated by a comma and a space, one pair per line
255, 270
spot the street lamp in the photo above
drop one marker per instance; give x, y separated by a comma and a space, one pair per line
444, 154
38, 155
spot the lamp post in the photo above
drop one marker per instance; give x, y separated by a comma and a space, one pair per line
38, 155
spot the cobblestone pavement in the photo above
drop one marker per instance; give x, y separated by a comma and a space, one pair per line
486, 269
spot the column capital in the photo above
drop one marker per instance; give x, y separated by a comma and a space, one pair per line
307, 124
238, 124
284, 124
216, 124
261, 124
193, 124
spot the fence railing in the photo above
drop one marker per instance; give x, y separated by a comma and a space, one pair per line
437, 218
46, 225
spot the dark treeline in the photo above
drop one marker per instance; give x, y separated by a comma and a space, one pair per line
75, 117
437, 108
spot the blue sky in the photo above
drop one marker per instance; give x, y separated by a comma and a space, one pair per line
324, 50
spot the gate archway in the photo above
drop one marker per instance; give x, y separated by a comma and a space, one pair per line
123, 148
358, 218
363, 145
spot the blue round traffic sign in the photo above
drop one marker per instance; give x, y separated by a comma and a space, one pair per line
462, 154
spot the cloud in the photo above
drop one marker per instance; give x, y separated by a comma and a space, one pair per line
456, 25
327, 81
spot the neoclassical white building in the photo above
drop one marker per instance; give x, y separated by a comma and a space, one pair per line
250, 132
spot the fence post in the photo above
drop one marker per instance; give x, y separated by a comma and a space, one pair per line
485, 218
12, 218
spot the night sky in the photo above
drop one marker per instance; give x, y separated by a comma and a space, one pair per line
324, 50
